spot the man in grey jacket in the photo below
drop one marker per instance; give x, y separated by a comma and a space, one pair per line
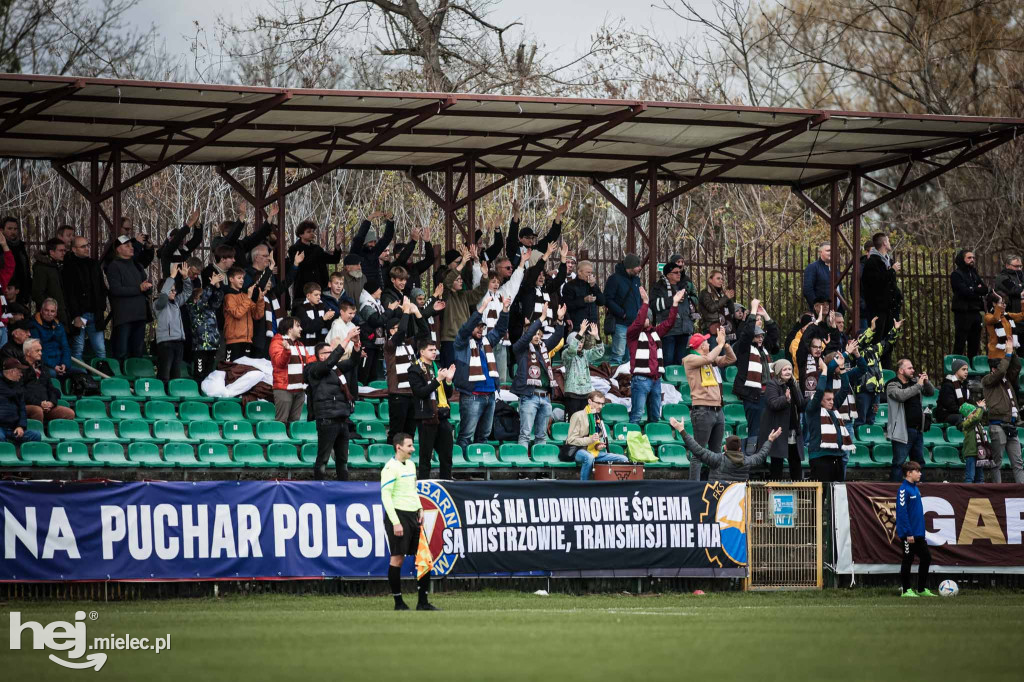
905, 427
170, 332
731, 465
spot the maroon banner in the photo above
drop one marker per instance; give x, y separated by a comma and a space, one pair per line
966, 525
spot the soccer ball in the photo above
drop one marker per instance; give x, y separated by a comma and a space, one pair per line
948, 588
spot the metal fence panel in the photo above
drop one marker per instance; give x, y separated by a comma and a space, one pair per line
784, 535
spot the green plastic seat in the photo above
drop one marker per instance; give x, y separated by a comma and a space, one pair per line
140, 368
888, 375
39, 454
285, 455
183, 389
613, 413
947, 456
137, 431
146, 455
384, 411
379, 385
117, 389
734, 414
101, 430
112, 363
250, 455
514, 454
675, 374
861, 458
303, 431
160, 410
215, 455
364, 411
75, 453
260, 411
979, 365
954, 436
205, 432
274, 432
9, 456
730, 374
459, 460
547, 455
91, 408
227, 411
67, 429
37, 426
150, 388
194, 411
124, 409
882, 453
241, 432
947, 363
379, 453
660, 432
110, 454
933, 437
373, 430
171, 430
740, 430
559, 431
181, 455
883, 413
624, 427
307, 453
674, 454
871, 433
675, 411
481, 454
356, 457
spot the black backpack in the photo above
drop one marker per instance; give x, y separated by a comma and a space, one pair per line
84, 384
506, 423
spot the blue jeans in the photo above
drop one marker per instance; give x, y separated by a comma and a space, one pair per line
477, 413
618, 345
99, 348
913, 448
534, 415
973, 473
752, 410
587, 461
644, 391
865, 408
7, 434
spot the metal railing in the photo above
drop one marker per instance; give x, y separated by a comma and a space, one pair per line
784, 535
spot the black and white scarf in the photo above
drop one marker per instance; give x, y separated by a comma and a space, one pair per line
642, 357
298, 358
476, 368
848, 410
757, 368
1000, 328
810, 376
404, 356
537, 362
959, 389
272, 314
491, 315
830, 438
312, 312
1012, 397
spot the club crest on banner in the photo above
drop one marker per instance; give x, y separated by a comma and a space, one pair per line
439, 513
730, 515
885, 513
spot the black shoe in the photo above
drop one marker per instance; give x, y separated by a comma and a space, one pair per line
426, 607
401, 606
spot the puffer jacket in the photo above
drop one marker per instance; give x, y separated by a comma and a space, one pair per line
47, 282
577, 364
203, 315
54, 339
327, 398
968, 289
622, 296
661, 301
997, 398
727, 466
239, 313
973, 417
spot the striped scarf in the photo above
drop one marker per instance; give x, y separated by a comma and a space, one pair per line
4, 315
404, 356
829, 436
299, 357
958, 388
272, 314
371, 301
1000, 329
476, 368
810, 376
538, 360
642, 357
491, 314
757, 368
540, 297
313, 312
848, 410
1013, 398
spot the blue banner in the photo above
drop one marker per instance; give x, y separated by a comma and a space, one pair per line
310, 529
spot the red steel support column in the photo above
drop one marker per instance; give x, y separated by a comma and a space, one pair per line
834, 211
449, 210
652, 226
282, 239
94, 207
115, 158
631, 201
471, 205
855, 255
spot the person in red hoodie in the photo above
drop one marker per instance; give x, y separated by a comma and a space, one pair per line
288, 356
646, 363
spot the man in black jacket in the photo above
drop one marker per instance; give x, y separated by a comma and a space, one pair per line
129, 301
142, 251
231, 234
968, 302
330, 403
881, 292
18, 333
85, 297
22, 265
1010, 285
431, 390
520, 241
370, 247
582, 296
13, 418
176, 250
314, 264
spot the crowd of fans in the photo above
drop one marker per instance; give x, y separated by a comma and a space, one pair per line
518, 320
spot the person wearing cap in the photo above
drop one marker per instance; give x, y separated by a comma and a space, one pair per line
703, 366
476, 373
646, 360
622, 298
313, 267
582, 296
142, 251
129, 301
783, 404
953, 393
19, 331
715, 304
757, 340
13, 417
371, 247
459, 296
662, 297
731, 465
521, 241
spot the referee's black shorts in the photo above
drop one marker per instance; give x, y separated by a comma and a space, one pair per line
409, 541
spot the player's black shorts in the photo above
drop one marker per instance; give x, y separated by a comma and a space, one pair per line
409, 542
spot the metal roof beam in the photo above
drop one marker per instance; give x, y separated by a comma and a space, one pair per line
27, 111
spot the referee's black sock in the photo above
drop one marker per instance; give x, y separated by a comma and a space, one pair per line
395, 581
424, 588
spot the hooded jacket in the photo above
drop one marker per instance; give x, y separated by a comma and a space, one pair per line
169, 326
577, 363
968, 289
202, 314
47, 283
997, 400
458, 303
622, 296
973, 416
522, 354
54, 339
1010, 285
728, 465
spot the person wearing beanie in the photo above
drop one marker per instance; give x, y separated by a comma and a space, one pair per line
459, 297
313, 267
354, 279
968, 301
976, 450
674, 279
521, 241
622, 298
582, 349
374, 318
715, 305
731, 465
953, 394
828, 435
370, 248
783, 404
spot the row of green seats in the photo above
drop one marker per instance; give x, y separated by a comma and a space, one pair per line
188, 410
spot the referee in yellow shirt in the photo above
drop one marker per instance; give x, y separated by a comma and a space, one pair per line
402, 520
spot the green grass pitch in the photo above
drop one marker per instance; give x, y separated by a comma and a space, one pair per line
832, 635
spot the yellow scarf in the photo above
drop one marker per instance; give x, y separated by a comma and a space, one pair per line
442, 399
